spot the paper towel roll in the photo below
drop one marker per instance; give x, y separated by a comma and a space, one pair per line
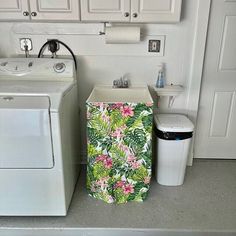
122, 35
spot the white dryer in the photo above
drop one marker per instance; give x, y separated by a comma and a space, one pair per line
39, 162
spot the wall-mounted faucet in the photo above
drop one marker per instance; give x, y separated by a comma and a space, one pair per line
121, 83
26, 45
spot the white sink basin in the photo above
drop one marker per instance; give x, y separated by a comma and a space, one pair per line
107, 94
169, 90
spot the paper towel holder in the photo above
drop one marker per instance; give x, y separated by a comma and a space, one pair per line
104, 29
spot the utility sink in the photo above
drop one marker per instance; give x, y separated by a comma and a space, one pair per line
171, 91
108, 94
119, 129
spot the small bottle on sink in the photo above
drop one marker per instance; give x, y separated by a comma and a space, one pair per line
160, 78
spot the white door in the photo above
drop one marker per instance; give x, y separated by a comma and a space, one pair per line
105, 10
216, 125
14, 10
55, 10
25, 133
155, 10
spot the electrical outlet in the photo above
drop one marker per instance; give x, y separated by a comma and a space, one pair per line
58, 45
26, 42
154, 45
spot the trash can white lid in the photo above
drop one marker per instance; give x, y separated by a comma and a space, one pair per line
173, 123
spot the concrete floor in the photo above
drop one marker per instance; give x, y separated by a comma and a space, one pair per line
204, 205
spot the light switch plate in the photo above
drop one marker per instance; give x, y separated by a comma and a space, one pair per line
156, 45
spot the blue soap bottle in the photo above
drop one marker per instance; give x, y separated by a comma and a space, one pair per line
161, 77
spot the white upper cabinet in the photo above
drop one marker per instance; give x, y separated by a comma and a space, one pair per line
14, 9
155, 10
105, 10
54, 10
143, 11
62, 10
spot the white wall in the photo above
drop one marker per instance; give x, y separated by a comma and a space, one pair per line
100, 63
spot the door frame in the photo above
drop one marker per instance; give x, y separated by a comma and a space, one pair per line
196, 70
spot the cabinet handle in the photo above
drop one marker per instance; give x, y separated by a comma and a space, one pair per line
135, 15
126, 14
33, 13
8, 98
25, 13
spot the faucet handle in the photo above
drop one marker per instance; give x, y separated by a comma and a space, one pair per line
115, 83
125, 83
119, 82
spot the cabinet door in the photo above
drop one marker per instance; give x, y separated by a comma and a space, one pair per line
54, 10
156, 11
14, 10
105, 10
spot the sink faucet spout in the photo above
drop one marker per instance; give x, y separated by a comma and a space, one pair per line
121, 83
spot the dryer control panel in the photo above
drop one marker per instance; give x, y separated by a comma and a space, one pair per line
37, 68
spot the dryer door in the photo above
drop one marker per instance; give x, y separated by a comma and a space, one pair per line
25, 132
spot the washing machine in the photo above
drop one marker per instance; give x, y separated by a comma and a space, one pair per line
39, 116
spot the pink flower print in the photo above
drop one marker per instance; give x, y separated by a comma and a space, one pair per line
120, 184
101, 105
108, 163
131, 158
149, 104
117, 105
124, 148
101, 158
103, 182
135, 164
147, 180
128, 188
127, 111
117, 133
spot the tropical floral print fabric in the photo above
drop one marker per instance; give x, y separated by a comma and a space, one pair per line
119, 151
